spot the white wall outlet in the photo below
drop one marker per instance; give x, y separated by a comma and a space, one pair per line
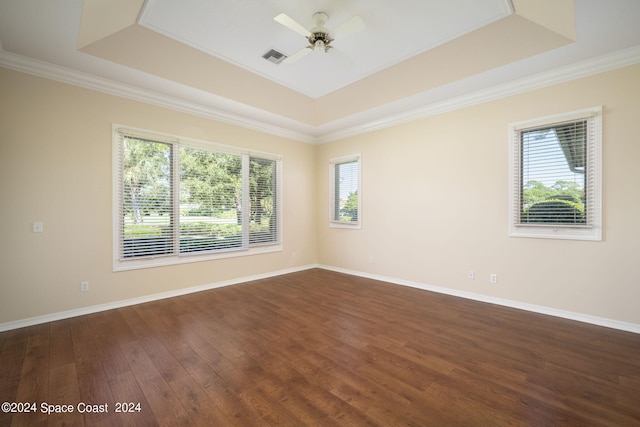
38, 227
493, 278
84, 286
471, 275
371, 260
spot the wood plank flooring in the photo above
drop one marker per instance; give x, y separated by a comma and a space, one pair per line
325, 349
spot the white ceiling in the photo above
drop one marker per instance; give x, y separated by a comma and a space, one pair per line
242, 31
42, 36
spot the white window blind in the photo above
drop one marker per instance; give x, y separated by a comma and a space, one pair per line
211, 200
177, 200
263, 201
555, 177
146, 192
344, 194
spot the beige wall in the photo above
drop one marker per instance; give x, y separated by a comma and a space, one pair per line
434, 202
55, 167
435, 191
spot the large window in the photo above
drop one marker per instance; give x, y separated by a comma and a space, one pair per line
182, 201
344, 194
556, 177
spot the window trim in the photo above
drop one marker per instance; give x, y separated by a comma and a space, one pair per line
592, 231
333, 223
120, 264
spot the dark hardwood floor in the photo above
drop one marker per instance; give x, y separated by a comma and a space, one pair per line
320, 348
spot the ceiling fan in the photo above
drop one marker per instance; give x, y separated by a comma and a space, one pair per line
318, 37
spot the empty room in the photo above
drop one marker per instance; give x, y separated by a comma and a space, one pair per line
328, 213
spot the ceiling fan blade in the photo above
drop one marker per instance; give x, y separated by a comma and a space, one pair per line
353, 25
297, 56
285, 20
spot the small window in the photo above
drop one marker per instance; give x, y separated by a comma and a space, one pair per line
555, 177
177, 200
344, 184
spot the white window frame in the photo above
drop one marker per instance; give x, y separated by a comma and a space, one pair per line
120, 263
334, 222
593, 229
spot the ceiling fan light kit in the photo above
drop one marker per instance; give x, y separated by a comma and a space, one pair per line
320, 42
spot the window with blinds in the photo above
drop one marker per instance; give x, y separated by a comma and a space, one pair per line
344, 194
556, 177
182, 201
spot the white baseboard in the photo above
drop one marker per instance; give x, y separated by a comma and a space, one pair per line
139, 300
594, 320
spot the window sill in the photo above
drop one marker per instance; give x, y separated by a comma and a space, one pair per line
160, 261
556, 232
339, 224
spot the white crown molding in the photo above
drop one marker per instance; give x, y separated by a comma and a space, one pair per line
319, 134
584, 318
601, 64
50, 71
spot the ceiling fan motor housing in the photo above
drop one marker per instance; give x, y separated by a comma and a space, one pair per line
319, 38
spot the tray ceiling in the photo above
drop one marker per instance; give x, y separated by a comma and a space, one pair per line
205, 56
241, 32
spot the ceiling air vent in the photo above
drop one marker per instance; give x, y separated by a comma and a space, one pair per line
274, 56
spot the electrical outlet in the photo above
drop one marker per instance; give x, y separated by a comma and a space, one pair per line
493, 278
471, 275
84, 286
